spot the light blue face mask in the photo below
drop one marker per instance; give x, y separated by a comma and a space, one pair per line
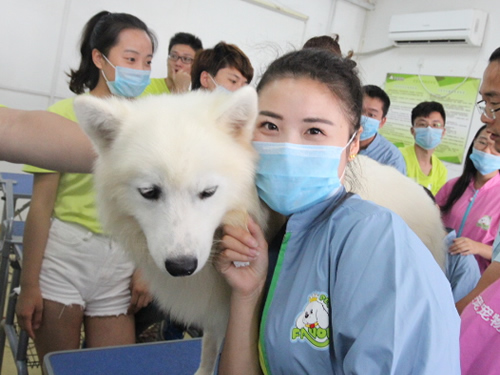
219, 88
370, 127
128, 82
293, 177
428, 138
485, 163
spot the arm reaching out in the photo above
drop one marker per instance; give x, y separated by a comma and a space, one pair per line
44, 139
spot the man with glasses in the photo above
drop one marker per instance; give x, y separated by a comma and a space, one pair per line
428, 120
489, 108
479, 335
182, 49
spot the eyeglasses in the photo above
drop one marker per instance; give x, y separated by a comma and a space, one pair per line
483, 109
423, 124
185, 59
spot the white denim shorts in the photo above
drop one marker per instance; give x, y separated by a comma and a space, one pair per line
87, 269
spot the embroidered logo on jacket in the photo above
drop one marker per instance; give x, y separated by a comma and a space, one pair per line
484, 222
313, 323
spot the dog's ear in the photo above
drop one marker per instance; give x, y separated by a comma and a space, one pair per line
239, 113
100, 119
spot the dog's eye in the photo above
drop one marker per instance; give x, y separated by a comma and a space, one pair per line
207, 193
151, 192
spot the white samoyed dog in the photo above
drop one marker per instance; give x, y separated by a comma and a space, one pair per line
172, 169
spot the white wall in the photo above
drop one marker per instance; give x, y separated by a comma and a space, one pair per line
434, 60
39, 39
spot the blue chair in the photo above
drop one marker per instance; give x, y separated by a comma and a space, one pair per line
177, 357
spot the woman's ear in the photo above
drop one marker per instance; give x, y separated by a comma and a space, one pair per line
354, 146
97, 58
204, 80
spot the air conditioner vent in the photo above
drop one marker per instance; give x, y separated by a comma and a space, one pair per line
464, 27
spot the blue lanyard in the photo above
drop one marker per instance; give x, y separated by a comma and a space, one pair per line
467, 213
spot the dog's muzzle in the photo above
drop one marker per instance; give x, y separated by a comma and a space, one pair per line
184, 266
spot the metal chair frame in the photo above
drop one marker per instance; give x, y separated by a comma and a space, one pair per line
11, 258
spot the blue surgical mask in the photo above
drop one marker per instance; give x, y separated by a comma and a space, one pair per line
129, 83
370, 127
428, 138
219, 88
485, 163
292, 177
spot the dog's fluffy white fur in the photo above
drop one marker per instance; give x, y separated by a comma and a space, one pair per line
387, 187
171, 169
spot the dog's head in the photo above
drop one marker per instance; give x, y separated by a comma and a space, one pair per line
315, 315
170, 168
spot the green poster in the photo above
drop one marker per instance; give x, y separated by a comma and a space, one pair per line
458, 95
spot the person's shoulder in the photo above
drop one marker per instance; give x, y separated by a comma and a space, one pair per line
156, 86
438, 165
355, 210
64, 108
451, 182
391, 151
496, 180
407, 151
64, 103
406, 148
436, 161
383, 140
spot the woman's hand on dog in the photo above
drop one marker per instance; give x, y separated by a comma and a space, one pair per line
241, 245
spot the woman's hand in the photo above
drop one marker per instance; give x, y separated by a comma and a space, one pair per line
140, 296
466, 246
241, 245
29, 308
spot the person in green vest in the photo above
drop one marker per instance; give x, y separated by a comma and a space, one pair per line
428, 128
182, 49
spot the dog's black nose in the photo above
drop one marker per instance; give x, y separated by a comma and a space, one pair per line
184, 266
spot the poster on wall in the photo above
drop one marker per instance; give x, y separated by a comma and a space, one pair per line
458, 95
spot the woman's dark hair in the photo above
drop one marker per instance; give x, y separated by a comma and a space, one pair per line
330, 43
337, 73
222, 56
464, 180
101, 32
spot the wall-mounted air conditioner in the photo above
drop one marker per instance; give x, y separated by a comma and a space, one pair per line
452, 27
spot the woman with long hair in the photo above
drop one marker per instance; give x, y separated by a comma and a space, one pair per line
470, 204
